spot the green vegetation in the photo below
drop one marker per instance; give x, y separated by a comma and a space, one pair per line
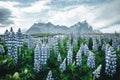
24, 68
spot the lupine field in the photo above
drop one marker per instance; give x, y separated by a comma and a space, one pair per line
59, 57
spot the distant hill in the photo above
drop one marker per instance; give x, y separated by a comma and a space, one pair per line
41, 28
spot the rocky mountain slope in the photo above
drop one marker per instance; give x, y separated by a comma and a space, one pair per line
41, 28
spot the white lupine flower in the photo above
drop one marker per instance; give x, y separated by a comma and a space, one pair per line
99, 39
55, 45
12, 45
79, 58
2, 49
87, 40
49, 76
37, 58
114, 42
68, 44
107, 47
19, 37
82, 48
6, 35
45, 53
103, 47
39, 42
96, 73
91, 60
63, 65
75, 42
56, 48
69, 56
50, 42
110, 58
86, 50
59, 58
95, 45
30, 42
41, 54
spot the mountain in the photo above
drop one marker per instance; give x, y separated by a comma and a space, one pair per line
82, 27
38, 28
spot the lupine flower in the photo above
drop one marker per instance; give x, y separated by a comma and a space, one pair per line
75, 41
61, 41
69, 56
49, 76
79, 58
19, 38
96, 73
39, 43
95, 45
99, 39
68, 44
91, 60
51, 43
37, 59
55, 46
114, 42
59, 58
6, 35
45, 53
41, 54
30, 42
2, 49
12, 45
103, 47
82, 47
110, 67
107, 47
87, 40
63, 65
86, 50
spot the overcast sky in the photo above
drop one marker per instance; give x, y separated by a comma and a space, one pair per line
101, 14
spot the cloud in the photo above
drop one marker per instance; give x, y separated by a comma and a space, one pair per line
108, 13
72, 15
37, 6
111, 29
22, 3
5, 17
99, 13
66, 3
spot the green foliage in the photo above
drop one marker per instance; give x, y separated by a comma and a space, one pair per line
80, 41
7, 65
90, 44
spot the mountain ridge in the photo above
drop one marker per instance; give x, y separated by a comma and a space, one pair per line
82, 27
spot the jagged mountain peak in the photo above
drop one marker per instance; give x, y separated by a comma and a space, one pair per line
81, 23
38, 28
49, 23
